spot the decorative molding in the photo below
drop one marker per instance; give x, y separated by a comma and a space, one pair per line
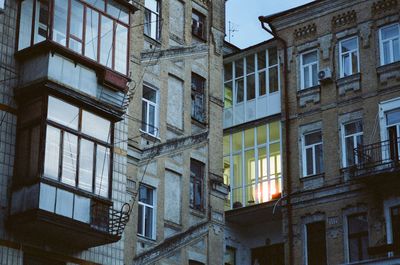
344, 19
383, 6
306, 31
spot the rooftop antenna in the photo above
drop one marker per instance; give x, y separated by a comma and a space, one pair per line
231, 29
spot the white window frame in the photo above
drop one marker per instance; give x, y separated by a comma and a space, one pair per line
304, 148
381, 42
155, 25
310, 65
145, 207
342, 54
156, 114
387, 206
344, 136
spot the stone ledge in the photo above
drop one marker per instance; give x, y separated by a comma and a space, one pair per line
309, 95
388, 73
313, 182
349, 83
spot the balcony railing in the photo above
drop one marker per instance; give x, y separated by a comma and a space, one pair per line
376, 158
110, 220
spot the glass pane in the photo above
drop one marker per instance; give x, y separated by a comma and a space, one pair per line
47, 198
226, 144
96, 126
237, 198
309, 162
86, 165
144, 116
274, 131
352, 128
390, 32
264, 191
251, 87
239, 90
52, 152
237, 171
106, 41
251, 195
92, 34
354, 62
146, 195
82, 209
148, 222
313, 138
393, 117
121, 49
306, 77
140, 219
273, 79
262, 134
102, 170
249, 138
349, 45
346, 65
75, 45
396, 50
319, 159
117, 11
96, 3
63, 113
262, 83
250, 64
228, 71
272, 57
386, 53
262, 164
150, 94
64, 203
349, 142
314, 75
309, 58
227, 173
25, 24
228, 98
239, 68
152, 121
237, 142
41, 20
68, 175
250, 164
274, 160
261, 60
76, 26
60, 22
152, 5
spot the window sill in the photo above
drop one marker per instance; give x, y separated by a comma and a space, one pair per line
309, 95
152, 41
146, 240
313, 181
199, 123
389, 74
349, 83
200, 38
149, 136
198, 213
305, 178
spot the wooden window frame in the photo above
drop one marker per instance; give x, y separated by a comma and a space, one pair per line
201, 23
199, 180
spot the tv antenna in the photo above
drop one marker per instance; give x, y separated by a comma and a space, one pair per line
231, 29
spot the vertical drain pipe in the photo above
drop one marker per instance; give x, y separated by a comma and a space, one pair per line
272, 31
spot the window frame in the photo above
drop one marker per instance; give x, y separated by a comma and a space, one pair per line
157, 22
80, 137
304, 148
143, 215
307, 240
156, 113
310, 65
354, 136
2, 4
381, 42
201, 23
195, 92
197, 180
341, 54
358, 235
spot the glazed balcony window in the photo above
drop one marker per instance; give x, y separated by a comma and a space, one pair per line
97, 30
198, 102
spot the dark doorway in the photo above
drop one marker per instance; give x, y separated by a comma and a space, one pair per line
268, 255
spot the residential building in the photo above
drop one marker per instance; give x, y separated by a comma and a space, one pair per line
340, 115
252, 155
63, 134
175, 134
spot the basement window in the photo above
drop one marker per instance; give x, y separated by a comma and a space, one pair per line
198, 25
198, 100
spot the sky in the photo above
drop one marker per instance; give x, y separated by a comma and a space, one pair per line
242, 15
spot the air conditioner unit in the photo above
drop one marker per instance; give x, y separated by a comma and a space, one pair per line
325, 75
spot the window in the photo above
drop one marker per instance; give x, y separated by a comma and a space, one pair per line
196, 185
352, 138
149, 111
316, 243
228, 94
390, 44
198, 24
395, 220
393, 132
309, 69
312, 154
259, 178
152, 21
95, 29
80, 143
198, 102
357, 237
230, 256
349, 62
146, 215
2, 4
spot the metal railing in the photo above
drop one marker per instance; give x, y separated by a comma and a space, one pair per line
109, 220
377, 156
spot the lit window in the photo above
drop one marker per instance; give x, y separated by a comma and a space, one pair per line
357, 237
309, 69
352, 139
349, 62
198, 102
146, 215
152, 19
100, 36
312, 154
260, 180
390, 44
149, 111
196, 198
198, 24
316, 243
65, 143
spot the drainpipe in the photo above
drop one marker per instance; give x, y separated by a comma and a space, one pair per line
271, 30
